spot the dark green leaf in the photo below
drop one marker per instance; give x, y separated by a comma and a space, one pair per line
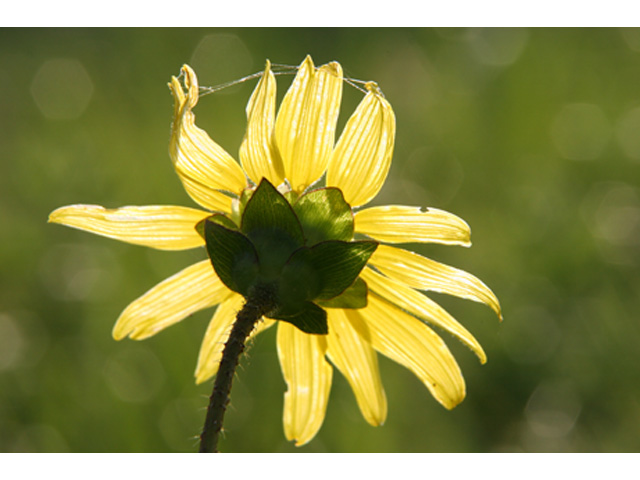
324, 215
354, 296
232, 255
309, 318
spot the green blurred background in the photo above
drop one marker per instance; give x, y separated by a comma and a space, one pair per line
531, 136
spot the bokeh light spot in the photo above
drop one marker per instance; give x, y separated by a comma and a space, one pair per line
580, 131
134, 374
75, 272
40, 438
497, 46
617, 217
220, 58
631, 36
11, 343
61, 89
628, 133
553, 409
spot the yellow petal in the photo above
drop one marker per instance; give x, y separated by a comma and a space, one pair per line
362, 157
306, 123
195, 288
358, 362
258, 153
203, 166
308, 377
217, 334
411, 343
425, 274
399, 224
421, 306
261, 326
162, 227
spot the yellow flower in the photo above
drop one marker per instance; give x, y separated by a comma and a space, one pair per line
293, 150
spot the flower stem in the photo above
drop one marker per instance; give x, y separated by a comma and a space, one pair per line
257, 304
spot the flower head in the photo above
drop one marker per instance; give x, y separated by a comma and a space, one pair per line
268, 220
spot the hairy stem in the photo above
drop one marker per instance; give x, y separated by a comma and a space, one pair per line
255, 307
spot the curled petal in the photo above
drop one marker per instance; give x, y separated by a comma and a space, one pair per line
358, 362
188, 291
411, 343
362, 157
399, 224
203, 166
423, 273
162, 227
306, 122
421, 306
308, 377
258, 153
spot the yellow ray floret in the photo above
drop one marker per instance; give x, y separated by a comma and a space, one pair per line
423, 273
362, 157
399, 224
204, 167
258, 153
411, 343
308, 377
306, 122
162, 227
356, 359
188, 291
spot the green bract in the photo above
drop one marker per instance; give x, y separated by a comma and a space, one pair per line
300, 253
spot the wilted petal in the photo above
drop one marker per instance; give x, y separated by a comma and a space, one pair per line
308, 377
195, 288
258, 153
306, 122
362, 157
425, 274
203, 166
421, 306
399, 224
411, 343
162, 227
358, 362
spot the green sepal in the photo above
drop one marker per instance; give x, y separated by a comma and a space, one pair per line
291, 196
308, 317
324, 215
232, 255
268, 211
299, 280
355, 296
338, 264
272, 226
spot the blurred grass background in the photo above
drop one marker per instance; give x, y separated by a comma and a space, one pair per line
531, 136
